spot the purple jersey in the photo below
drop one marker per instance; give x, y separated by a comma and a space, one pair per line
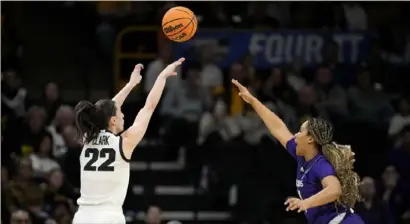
309, 176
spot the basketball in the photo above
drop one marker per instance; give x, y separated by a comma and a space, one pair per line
179, 24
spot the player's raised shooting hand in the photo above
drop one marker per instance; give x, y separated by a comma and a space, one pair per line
136, 77
243, 91
170, 69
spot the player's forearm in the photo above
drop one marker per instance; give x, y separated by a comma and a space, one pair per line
325, 196
271, 120
122, 94
156, 92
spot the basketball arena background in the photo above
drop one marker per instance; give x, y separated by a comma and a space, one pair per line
207, 158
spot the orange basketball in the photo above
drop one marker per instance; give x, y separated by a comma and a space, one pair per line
179, 24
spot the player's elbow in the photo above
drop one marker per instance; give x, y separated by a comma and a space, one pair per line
333, 187
150, 106
335, 192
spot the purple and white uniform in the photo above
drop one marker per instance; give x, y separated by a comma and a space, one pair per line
309, 175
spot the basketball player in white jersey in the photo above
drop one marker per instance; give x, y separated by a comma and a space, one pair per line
105, 156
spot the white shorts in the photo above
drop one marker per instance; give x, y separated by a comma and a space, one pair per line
97, 215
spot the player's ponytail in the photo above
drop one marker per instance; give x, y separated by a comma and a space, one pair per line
340, 157
89, 121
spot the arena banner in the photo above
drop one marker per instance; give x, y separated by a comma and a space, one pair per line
275, 48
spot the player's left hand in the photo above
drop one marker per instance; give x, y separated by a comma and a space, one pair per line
136, 77
170, 69
296, 203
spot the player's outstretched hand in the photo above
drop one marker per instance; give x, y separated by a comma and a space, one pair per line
297, 204
170, 69
243, 91
136, 77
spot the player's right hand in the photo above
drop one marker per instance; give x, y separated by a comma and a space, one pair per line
136, 77
170, 69
243, 91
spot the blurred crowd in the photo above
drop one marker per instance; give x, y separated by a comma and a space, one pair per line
203, 113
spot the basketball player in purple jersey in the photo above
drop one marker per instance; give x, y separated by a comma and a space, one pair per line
327, 185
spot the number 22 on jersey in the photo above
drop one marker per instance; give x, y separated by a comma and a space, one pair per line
94, 154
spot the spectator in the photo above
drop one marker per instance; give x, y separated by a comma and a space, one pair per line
154, 215
356, 16
394, 193
183, 107
294, 75
211, 74
215, 128
378, 67
4, 176
71, 163
174, 222
236, 104
331, 60
330, 95
248, 66
61, 213
13, 95
279, 11
366, 103
51, 100
64, 117
265, 92
258, 17
188, 101
5, 214
330, 55
24, 193
372, 209
156, 67
217, 122
401, 119
274, 93
390, 179
216, 16
105, 31
400, 157
33, 134
58, 192
20, 217
42, 160
256, 84
307, 107
252, 126
280, 87
339, 19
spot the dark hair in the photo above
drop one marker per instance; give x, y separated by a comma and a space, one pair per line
191, 66
322, 66
51, 172
405, 130
341, 158
40, 142
91, 118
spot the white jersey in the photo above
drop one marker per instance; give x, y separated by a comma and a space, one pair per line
105, 172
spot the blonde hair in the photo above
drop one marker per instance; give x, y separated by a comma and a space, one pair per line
341, 157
